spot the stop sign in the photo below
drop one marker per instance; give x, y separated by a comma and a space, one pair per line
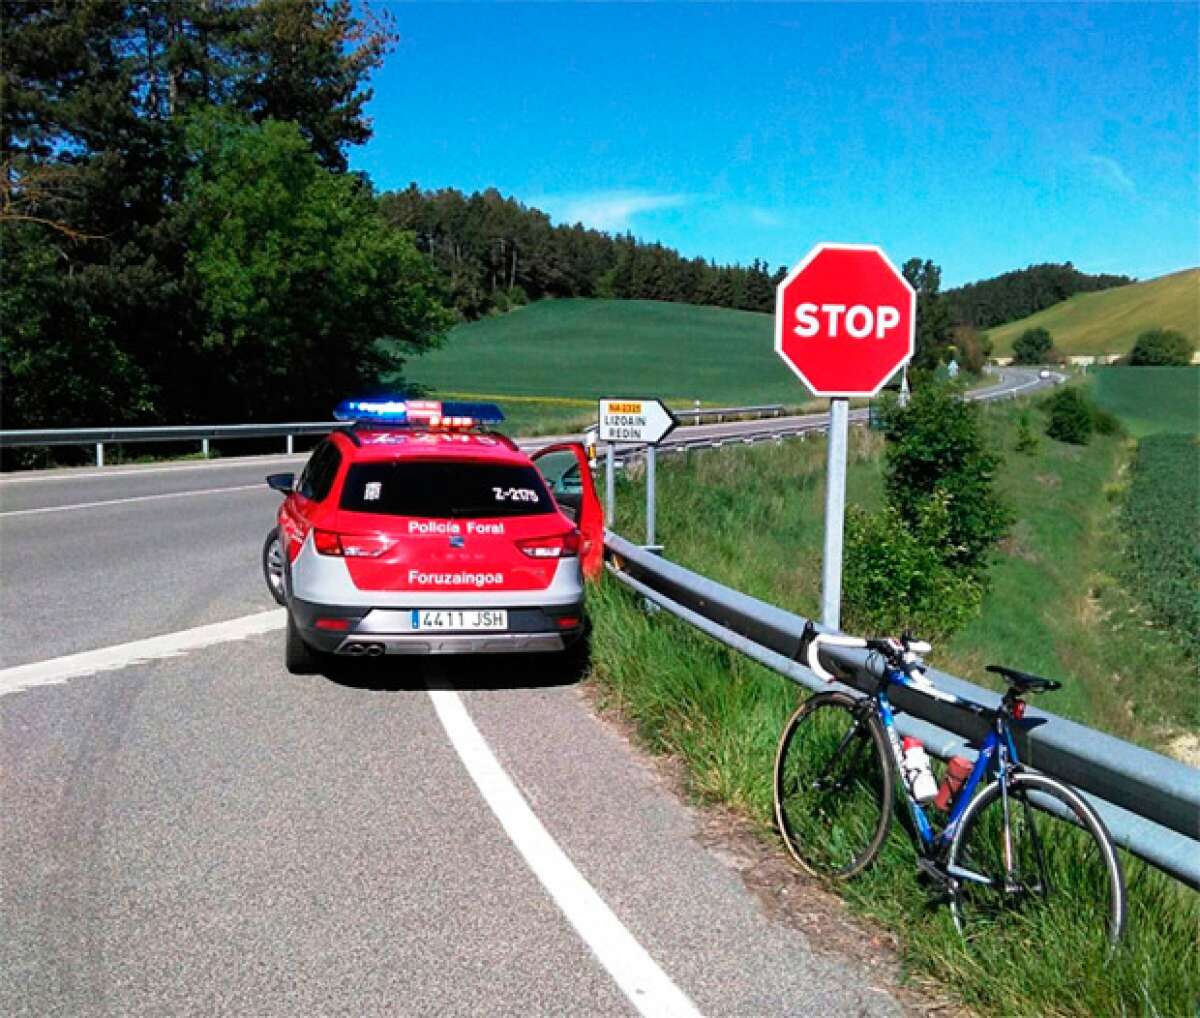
845, 320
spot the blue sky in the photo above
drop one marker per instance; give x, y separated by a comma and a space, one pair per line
985, 137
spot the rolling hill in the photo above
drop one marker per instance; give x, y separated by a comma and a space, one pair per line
582, 348
1108, 321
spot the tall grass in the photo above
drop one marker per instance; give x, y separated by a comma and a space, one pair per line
752, 518
721, 714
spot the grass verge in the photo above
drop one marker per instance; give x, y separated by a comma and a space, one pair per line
751, 518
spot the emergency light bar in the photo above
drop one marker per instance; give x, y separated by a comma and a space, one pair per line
429, 413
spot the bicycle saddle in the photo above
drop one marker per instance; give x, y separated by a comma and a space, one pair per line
1025, 682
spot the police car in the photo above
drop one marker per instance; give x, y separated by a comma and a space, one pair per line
416, 530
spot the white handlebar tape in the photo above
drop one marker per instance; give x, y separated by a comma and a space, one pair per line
814, 661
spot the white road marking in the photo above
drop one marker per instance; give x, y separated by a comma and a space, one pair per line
647, 986
121, 501
122, 655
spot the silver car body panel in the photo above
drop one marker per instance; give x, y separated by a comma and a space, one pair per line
451, 643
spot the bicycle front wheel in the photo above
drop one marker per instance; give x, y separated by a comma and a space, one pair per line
833, 785
1051, 875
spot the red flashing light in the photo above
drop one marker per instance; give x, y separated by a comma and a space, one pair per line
1018, 710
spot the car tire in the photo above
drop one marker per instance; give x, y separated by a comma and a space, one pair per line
574, 661
273, 566
298, 657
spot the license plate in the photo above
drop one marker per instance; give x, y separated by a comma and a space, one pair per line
468, 621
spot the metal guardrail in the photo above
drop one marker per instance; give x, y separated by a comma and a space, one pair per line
735, 413
1150, 802
202, 433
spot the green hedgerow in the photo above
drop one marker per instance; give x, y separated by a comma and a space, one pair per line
1071, 416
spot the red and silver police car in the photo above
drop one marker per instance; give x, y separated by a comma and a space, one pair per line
418, 531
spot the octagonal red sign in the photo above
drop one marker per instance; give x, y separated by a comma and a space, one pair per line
845, 320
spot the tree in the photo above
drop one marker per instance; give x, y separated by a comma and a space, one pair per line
921, 561
298, 277
1164, 347
933, 318
972, 347
308, 61
1016, 295
95, 98
936, 448
1033, 346
1071, 416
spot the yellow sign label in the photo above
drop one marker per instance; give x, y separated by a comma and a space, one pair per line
624, 408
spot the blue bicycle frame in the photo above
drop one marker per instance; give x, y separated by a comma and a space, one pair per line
996, 753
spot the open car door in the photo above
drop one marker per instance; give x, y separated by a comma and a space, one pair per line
567, 474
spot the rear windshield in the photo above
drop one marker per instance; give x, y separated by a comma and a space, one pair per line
443, 489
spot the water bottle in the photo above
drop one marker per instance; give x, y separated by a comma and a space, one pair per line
918, 774
956, 776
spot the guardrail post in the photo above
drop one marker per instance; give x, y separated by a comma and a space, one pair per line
99, 454
204, 447
610, 484
290, 447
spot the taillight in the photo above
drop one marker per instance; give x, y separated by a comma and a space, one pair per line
1018, 709
558, 546
334, 625
327, 542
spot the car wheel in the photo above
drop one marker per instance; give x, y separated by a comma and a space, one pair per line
298, 657
574, 661
272, 565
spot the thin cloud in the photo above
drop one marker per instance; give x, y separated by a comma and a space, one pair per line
764, 217
1110, 173
608, 210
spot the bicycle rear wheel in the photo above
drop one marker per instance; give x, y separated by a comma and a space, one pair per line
833, 785
1065, 884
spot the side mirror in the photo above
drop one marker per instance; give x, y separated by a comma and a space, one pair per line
284, 483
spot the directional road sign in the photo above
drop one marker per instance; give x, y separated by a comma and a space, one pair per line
635, 421
845, 320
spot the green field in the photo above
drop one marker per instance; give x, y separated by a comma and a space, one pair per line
583, 348
1055, 608
1108, 321
1151, 400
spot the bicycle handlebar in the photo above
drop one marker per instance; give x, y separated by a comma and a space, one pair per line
901, 653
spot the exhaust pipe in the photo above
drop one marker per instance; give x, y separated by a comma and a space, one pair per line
355, 649
374, 649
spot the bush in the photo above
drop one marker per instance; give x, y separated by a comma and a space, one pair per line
1105, 423
1161, 348
1071, 416
896, 579
1033, 346
936, 448
1027, 441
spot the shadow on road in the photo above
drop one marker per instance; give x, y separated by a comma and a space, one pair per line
398, 673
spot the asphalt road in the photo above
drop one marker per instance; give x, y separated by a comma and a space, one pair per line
193, 831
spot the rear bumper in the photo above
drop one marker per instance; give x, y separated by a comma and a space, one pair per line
451, 643
376, 631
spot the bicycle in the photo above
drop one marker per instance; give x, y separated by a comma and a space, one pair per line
1022, 849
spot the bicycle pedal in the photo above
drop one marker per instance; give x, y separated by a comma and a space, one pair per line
930, 869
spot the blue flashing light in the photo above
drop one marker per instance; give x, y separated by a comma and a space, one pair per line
417, 412
390, 411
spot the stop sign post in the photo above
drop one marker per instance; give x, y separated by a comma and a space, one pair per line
845, 322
